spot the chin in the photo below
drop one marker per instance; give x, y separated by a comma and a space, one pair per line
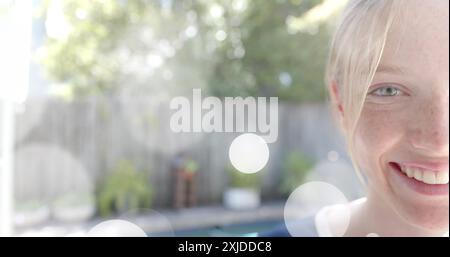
432, 216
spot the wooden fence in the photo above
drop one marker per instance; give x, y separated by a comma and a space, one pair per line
70, 146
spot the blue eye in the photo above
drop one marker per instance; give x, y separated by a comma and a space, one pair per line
386, 91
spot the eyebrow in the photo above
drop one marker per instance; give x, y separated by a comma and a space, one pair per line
390, 69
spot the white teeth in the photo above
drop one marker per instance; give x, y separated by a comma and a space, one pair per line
442, 178
410, 173
427, 176
418, 175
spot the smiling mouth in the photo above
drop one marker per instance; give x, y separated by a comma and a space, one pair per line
429, 177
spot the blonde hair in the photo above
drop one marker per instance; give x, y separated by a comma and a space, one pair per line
355, 54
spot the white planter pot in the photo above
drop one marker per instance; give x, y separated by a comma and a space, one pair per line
31, 217
241, 198
73, 213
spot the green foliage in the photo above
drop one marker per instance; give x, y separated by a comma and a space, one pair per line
242, 180
295, 169
125, 189
85, 59
110, 41
191, 166
271, 51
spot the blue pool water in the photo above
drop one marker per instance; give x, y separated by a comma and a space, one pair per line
241, 229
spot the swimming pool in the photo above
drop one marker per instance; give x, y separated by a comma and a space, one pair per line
247, 229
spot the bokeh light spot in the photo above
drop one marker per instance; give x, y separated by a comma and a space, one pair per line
321, 202
249, 153
116, 228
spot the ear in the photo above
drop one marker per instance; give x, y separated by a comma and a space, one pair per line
335, 97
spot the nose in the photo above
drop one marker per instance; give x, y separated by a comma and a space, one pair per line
431, 130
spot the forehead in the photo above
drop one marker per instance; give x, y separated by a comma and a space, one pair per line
418, 40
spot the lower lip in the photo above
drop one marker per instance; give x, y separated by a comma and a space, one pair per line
418, 186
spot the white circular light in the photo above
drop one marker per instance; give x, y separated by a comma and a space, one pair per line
285, 79
320, 202
333, 156
249, 153
62, 178
154, 223
116, 228
221, 35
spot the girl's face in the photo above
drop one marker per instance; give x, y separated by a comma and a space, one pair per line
401, 141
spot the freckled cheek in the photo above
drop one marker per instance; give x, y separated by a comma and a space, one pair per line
378, 136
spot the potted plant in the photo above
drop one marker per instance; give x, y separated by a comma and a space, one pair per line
295, 169
191, 167
125, 189
244, 190
73, 207
185, 184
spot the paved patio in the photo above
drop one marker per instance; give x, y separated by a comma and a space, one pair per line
160, 221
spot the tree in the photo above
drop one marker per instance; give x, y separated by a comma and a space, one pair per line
229, 48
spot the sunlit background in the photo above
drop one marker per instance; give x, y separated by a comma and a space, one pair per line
85, 87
